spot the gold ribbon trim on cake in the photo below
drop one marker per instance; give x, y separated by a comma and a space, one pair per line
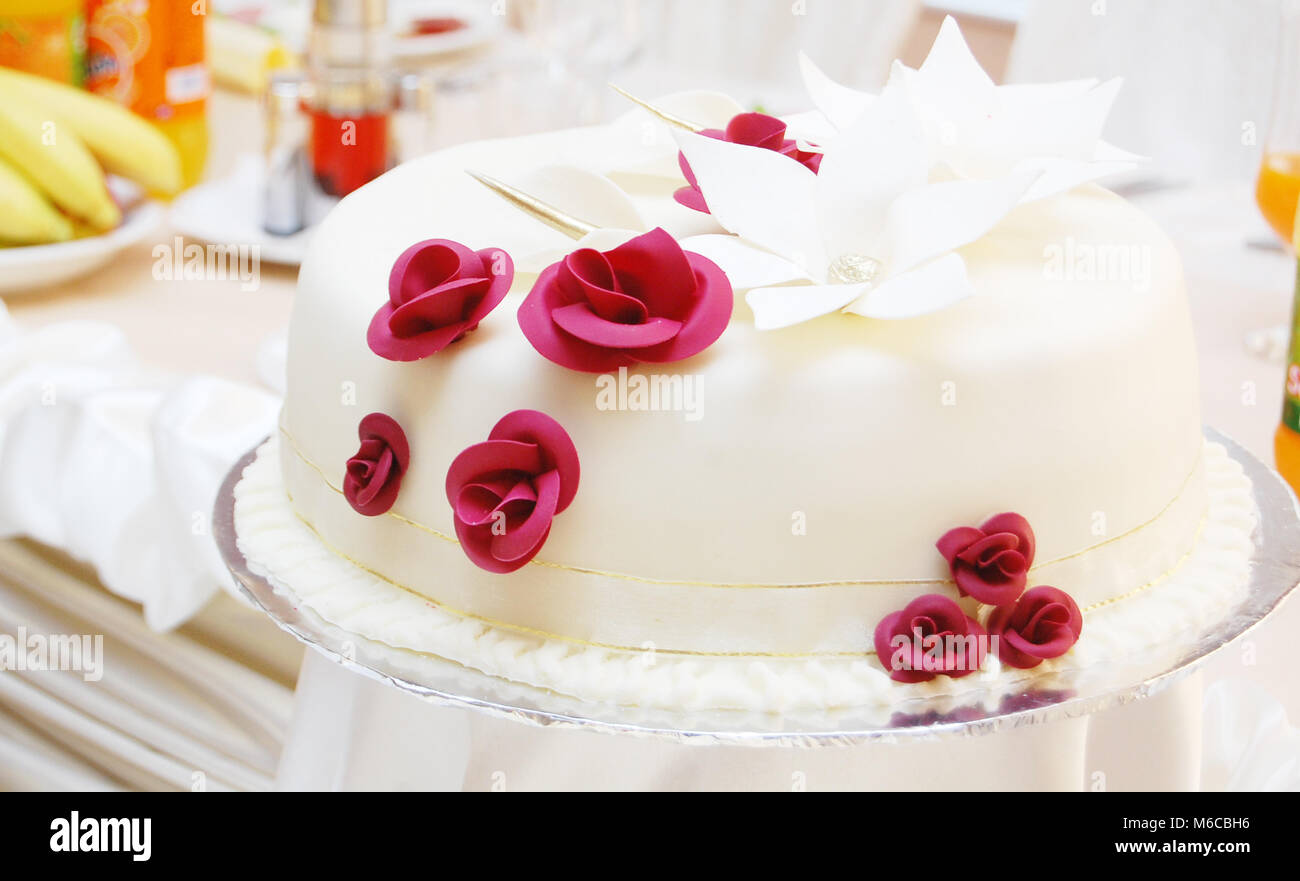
623, 576
586, 643
617, 645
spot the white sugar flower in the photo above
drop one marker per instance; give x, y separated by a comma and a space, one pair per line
978, 129
908, 177
871, 233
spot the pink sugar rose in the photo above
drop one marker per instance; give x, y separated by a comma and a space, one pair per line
438, 291
645, 301
1044, 623
753, 130
991, 563
930, 637
374, 473
505, 491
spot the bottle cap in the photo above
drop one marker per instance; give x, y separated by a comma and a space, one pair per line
351, 13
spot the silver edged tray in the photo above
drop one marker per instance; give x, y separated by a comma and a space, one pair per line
1275, 571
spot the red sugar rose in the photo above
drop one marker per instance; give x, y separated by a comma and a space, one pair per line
438, 291
646, 300
1044, 623
505, 491
374, 473
990, 563
753, 130
930, 637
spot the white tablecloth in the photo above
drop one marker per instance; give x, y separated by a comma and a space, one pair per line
350, 732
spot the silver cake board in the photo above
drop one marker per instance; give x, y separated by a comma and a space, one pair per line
1274, 573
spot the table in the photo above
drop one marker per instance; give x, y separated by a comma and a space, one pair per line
215, 327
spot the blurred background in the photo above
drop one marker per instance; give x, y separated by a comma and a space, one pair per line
128, 385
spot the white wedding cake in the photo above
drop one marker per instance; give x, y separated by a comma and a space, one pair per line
894, 367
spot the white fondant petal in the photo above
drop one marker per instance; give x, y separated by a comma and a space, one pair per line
932, 220
840, 105
760, 195
662, 167
864, 170
1062, 175
700, 106
746, 266
809, 129
929, 288
782, 307
951, 92
951, 65
583, 194
1089, 111
1066, 128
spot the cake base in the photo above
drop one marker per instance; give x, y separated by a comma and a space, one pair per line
295, 571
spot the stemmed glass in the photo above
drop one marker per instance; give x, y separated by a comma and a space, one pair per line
583, 44
1277, 188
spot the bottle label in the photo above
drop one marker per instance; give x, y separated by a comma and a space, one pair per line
53, 46
119, 63
185, 85
1291, 401
147, 55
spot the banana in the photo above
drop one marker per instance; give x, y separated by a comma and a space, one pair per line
27, 217
47, 152
125, 144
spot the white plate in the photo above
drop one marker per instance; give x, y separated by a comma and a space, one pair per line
479, 28
25, 269
229, 212
291, 21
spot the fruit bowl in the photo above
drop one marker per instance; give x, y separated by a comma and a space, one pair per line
25, 269
73, 162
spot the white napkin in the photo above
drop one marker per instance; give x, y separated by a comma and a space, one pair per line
118, 465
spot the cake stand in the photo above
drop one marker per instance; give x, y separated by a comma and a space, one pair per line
1275, 572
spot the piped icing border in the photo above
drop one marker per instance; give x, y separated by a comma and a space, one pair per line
282, 548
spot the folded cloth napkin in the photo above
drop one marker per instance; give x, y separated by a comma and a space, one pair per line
119, 465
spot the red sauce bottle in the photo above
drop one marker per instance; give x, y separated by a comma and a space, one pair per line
350, 98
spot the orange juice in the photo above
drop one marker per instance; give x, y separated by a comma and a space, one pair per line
1277, 190
1286, 443
45, 37
149, 56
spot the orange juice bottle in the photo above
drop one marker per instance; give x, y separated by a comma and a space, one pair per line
46, 37
1286, 443
149, 56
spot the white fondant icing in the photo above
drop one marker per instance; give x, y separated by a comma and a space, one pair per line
837, 450
794, 498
